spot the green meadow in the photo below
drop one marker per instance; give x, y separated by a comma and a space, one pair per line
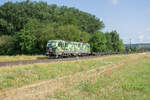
122, 77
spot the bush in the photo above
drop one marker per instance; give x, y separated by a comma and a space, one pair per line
7, 45
98, 42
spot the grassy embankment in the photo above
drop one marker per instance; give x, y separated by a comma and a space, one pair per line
21, 75
127, 78
131, 81
20, 57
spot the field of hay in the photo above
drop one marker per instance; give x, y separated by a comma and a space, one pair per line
122, 77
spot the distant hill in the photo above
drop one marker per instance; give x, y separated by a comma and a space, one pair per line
145, 46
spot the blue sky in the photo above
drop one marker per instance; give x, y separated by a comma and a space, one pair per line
131, 18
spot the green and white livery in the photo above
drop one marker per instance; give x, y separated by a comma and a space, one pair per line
62, 48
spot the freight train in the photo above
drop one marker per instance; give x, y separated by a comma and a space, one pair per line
61, 48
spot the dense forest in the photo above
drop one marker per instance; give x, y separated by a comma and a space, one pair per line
26, 27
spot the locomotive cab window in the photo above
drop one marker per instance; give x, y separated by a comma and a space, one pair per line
60, 44
79, 45
66, 44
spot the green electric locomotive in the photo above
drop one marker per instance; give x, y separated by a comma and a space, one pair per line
61, 48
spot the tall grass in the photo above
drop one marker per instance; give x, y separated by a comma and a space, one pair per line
12, 77
129, 82
20, 57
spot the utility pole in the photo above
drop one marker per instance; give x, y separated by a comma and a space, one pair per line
130, 44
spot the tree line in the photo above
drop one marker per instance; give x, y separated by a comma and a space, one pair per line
26, 27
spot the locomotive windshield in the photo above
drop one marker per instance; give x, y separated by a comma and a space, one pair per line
51, 44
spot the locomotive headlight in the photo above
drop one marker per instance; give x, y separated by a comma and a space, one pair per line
50, 49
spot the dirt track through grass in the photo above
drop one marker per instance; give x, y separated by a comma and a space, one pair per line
50, 87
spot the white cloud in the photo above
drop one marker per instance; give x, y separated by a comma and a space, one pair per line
148, 30
114, 2
141, 38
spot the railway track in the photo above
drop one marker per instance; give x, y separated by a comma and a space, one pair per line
25, 62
